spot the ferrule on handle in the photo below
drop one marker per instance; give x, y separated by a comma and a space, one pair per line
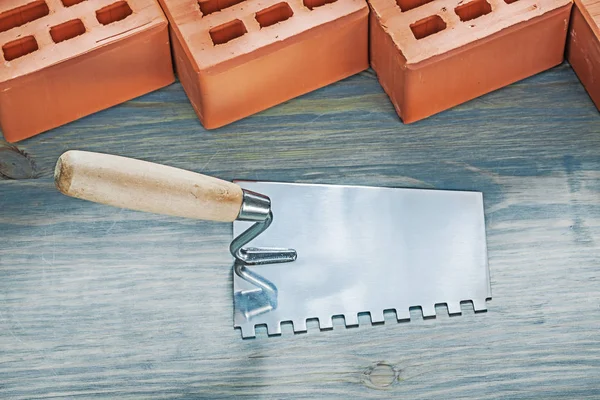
255, 207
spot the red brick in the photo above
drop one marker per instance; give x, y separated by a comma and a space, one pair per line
231, 66
437, 54
64, 59
583, 49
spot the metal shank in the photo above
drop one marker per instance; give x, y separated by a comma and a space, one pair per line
253, 207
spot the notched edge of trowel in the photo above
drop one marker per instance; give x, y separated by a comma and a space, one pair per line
351, 320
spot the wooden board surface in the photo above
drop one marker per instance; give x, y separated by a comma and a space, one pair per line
99, 302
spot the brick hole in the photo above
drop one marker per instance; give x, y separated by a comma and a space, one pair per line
310, 4
22, 15
473, 9
274, 14
427, 26
19, 48
211, 6
406, 5
228, 31
69, 3
115, 12
67, 30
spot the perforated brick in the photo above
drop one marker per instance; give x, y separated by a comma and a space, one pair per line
432, 55
583, 49
239, 57
64, 59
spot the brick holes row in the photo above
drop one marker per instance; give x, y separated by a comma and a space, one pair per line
236, 28
28, 13
266, 17
434, 24
59, 33
210, 6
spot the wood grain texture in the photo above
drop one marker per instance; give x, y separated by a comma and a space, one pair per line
98, 302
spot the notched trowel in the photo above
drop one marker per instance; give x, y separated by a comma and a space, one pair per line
355, 249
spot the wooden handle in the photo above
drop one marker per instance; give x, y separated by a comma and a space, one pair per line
144, 186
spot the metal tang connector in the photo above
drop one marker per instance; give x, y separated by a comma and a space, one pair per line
257, 208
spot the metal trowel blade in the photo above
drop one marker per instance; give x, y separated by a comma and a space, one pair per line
364, 249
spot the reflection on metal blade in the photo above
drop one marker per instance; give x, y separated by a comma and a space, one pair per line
364, 249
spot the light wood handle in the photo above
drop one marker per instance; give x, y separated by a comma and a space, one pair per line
145, 186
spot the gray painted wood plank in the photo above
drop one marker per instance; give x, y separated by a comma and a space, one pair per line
97, 302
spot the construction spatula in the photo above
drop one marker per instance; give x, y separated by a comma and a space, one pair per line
355, 249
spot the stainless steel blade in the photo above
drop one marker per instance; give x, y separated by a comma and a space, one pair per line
364, 249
